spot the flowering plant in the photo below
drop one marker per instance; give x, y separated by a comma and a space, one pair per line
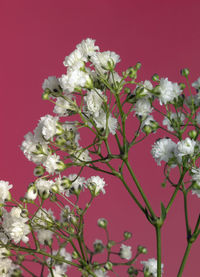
93, 96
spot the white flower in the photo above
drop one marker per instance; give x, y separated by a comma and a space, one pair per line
100, 273
143, 107
168, 91
147, 87
75, 60
101, 60
87, 47
101, 122
15, 225
47, 128
31, 193
94, 100
150, 266
75, 79
4, 191
64, 107
196, 179
5, 265
177, 117
52, 163
185, 147
34, 150
81, 155
148, 121
196, 84
77, 182
125, 252
51, 83
115, 77
163, 150
64, 255
43, 218
96, 184
43, 186
44, 236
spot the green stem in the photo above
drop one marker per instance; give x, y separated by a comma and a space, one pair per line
158, 241
140, 189
184, 259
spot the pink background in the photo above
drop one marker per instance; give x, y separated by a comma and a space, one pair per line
36, 36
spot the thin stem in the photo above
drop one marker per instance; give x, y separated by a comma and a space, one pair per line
184, 259
140, 189
158, 241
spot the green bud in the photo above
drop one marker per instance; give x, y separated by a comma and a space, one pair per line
127, 90
20, 258
75, 255
140, 92
127, 235
185, 72
193, 134
132, 73
155, 77
60, 141
141, 249
147, 129
98, 246
182, 86
54, 188
71, 230
154, 125
195, 185
138, 66
53, 198
61, 166
132, 271
108, 266
102, 223
39, 171
156, 90
44, 195
74, 220
59, 129
46, 94
66, 183
110, 244
16, 273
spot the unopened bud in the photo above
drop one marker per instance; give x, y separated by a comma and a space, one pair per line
60, 166
110, 244
155, 78
147, 129
127, 235
182, 86
98, 246
132, 271
46, 94
31, 193
141, 249
185, 72
193, 134
74, 255
108, 266
127, 90
102, 222
138, 65
38, 171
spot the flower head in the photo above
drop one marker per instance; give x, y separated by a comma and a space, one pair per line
150, 267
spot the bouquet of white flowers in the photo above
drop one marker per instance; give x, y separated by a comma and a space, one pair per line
93, 96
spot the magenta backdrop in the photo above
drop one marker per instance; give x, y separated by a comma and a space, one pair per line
36, 36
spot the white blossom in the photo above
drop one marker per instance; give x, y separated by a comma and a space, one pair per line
143, 107
77, 182
42, 218
4, 191
168, 91
101, 122
64, 107
147, 121
150, 266
101, 60
125, 252
163, 150
34, 150
75, 79
51, 83
100, 273
96, 184
5, 265
87, 47
15, 225
44, 236
81, 155
43, 186
177, 117
52, 163
185, 147
75, 60
94, 100
196, 84
47, 128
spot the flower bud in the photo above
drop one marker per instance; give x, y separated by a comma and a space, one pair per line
60, 141
46, 94
73, 220
193, 134
110, 244
102, 223
195, 185
98, 246
132, 73
147, 129
60, 166
16, 273
185, 72
74, 255
31, 193
141, 249
127, 235
155, 77
38, 171
127, 90
108, 266
44, 195
138, 65
132, 271
182, 86
65, 183
54, 188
